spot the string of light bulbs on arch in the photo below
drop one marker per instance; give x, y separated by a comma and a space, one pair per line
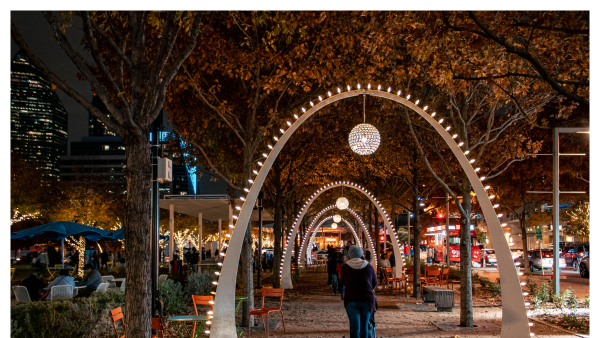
345, 207
371, 140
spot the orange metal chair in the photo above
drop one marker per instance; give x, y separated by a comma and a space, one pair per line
433, 277
264, 311
116, 315
444, 278
202, 300
395, 281
158, 326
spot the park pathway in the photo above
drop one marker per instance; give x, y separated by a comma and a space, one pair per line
312, 311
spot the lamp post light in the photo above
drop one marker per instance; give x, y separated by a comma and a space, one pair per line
556, 194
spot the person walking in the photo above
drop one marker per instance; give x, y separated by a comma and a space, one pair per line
429, 254
203, 254
406, 250
104, 260
332, 279
359, 280
95, 259
194, 257
385, 263
43, 260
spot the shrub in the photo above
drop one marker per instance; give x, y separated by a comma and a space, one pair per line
172, 296
561, 300
531, 286
571, 320
484, 282
199, 284
66, 318
496, 288
586, 302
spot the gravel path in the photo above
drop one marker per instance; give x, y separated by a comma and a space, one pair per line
311, 310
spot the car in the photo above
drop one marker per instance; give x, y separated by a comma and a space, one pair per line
545, 261
584, 267
573, 253
489, 256
516, 253
319, 254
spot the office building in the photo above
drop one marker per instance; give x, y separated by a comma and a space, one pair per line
39, 121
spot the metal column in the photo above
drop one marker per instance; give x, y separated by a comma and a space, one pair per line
447, 229
154, 269
171, 234
219, 244
259, 266
200, 240
555, 209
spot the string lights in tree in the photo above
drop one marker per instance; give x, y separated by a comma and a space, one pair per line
18, 217
79, 245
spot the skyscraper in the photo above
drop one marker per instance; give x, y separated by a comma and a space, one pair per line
96, 127
38, 118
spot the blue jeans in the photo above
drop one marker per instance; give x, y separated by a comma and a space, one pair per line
359, 314
334, 282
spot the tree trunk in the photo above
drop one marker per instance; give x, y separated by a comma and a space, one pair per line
277, 225
136, 225
523, 224
466, 291
247, 275
416, 225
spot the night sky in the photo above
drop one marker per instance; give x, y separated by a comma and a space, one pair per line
38, 34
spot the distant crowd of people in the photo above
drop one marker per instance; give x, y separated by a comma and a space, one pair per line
38, 290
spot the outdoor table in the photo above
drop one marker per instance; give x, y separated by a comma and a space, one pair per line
185, 319
115, 280
76, 289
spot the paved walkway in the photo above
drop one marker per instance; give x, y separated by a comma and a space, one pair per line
311, 311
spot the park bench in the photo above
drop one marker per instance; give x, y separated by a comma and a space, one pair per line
443, 298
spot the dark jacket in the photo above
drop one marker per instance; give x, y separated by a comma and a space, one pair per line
93, 278
194, 257
33, 285
359, 284
331, 263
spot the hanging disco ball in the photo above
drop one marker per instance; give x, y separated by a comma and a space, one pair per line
337, 218
364, 139
342, 203
333, 225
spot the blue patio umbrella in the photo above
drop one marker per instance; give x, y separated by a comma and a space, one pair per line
61, 230
120, 234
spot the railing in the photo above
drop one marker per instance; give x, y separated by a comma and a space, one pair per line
197, 197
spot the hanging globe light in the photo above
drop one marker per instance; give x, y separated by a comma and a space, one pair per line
342, 203
337, 218
364, 139
333, 225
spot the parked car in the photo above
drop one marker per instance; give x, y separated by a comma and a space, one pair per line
574, 253
489, 256
320, 254
545, 261
584, 267
516, 253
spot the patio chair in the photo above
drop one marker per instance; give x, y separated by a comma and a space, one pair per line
158, 326
427, 270
61, 292
103, 287
116, 315
264, 311
433, 277
202, 300
444, 278
123, 286
108, 279
50, 272
162, 278
21, 294
395, 281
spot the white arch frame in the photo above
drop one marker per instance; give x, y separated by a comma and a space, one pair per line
302, 259
514, 313
285, 264
286, 275
312, 239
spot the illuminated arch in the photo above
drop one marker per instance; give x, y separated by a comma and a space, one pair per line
312, 239
285, 264
514, 313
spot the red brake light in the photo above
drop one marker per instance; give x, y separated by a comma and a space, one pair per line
581, 254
